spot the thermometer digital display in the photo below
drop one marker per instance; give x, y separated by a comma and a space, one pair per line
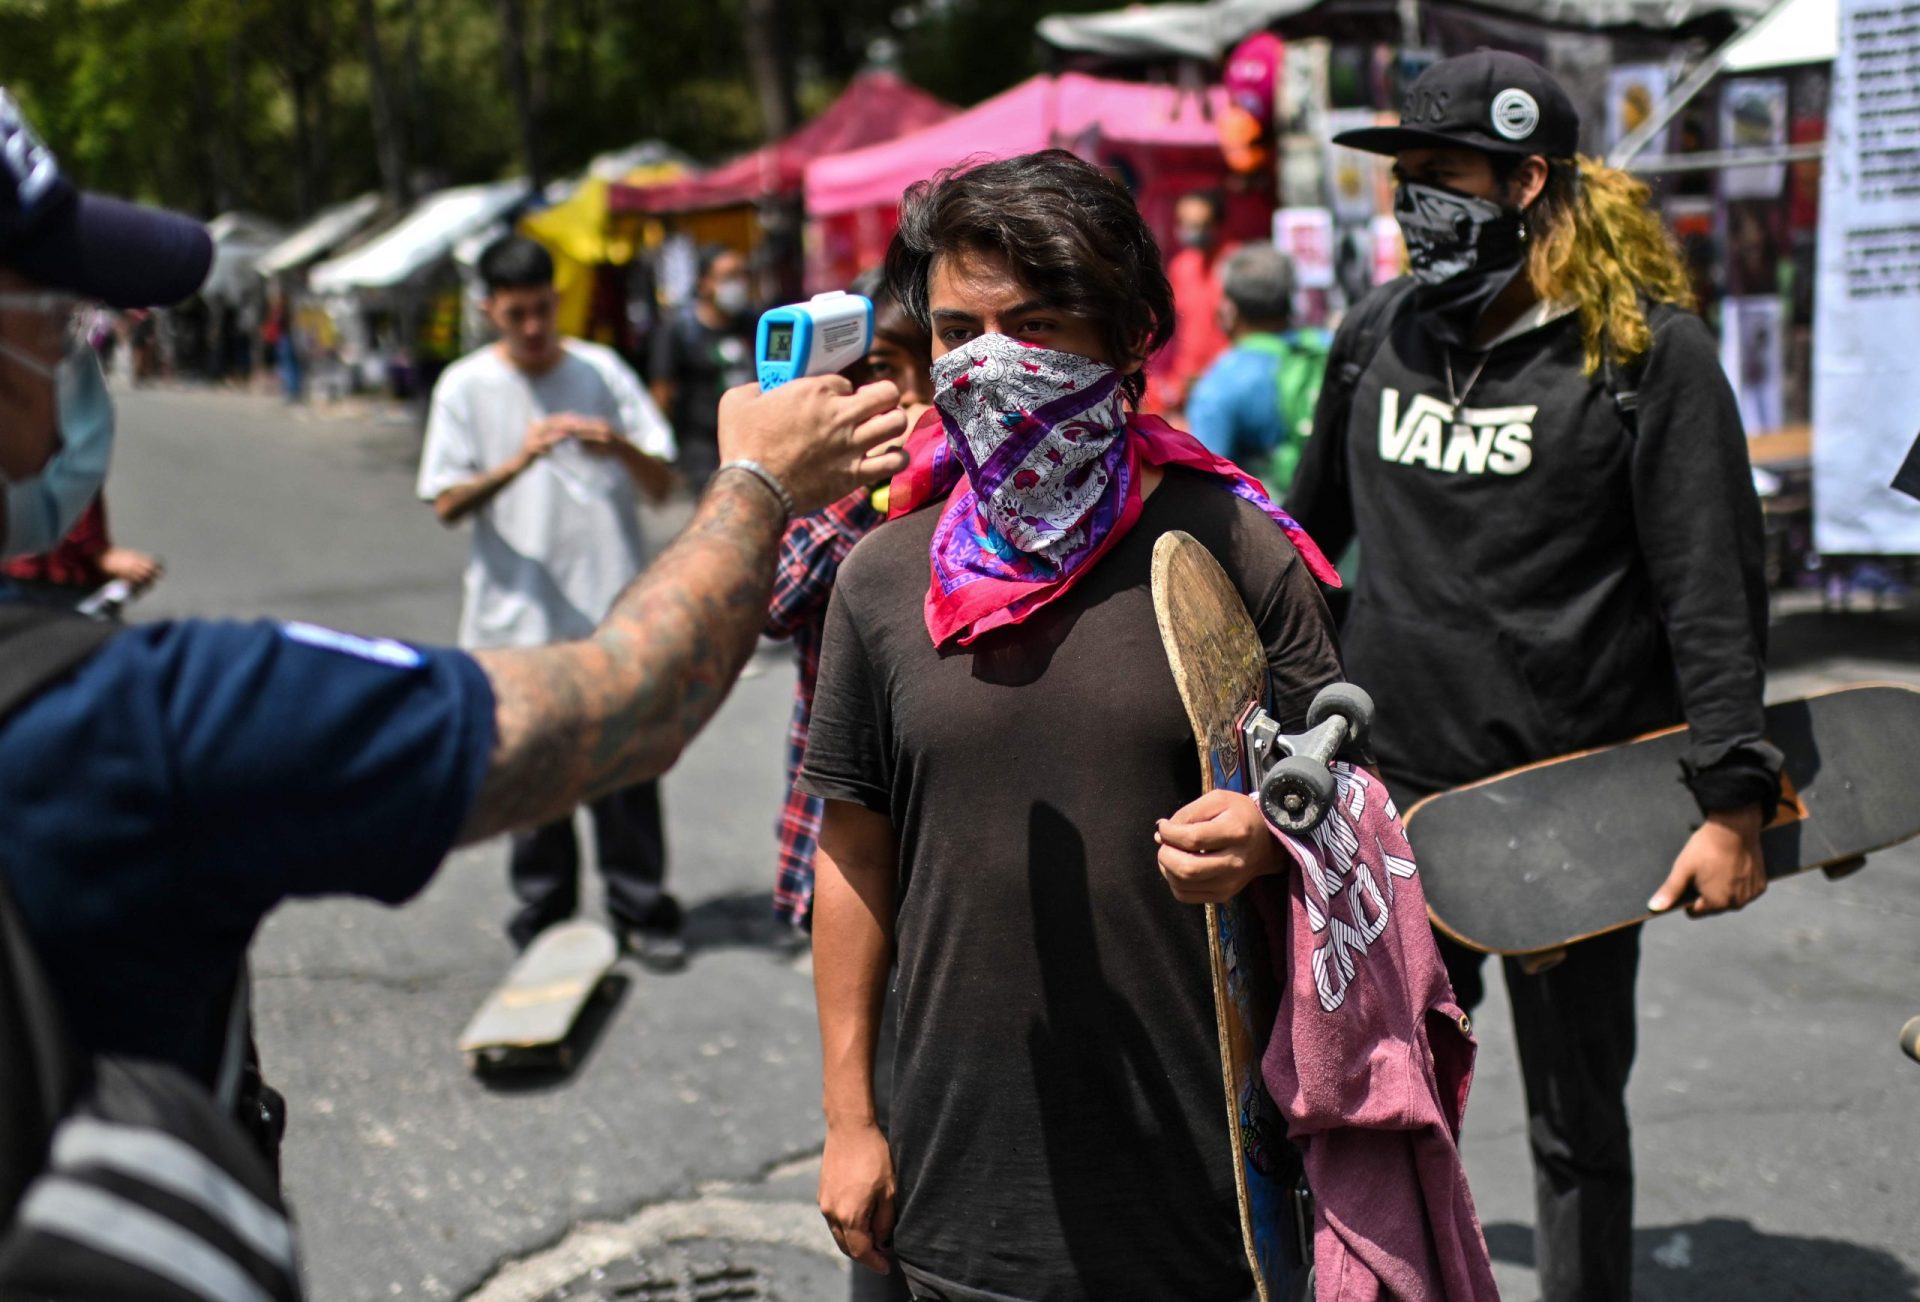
827, 333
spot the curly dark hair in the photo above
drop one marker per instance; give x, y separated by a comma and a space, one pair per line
1070, 233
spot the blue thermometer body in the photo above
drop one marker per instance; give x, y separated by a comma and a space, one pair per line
827, 333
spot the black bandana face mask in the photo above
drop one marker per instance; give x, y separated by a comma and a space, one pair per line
1464, 251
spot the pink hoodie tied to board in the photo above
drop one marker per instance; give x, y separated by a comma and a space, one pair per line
1370, 1060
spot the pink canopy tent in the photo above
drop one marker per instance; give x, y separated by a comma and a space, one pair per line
876, 106
1071, 111
1162, 139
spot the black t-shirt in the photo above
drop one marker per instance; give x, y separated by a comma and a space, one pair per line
702, 363
1539, 574
1058, 1128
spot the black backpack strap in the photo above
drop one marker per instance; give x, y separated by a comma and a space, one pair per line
1623, 387
40, 1071
40, 643
1623, 382
1371, 321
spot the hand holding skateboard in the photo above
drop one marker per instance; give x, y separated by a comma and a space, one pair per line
1211, 849
1719, 869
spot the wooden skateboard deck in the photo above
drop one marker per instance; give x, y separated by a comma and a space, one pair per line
1220, 668
526, 1021
1529, 861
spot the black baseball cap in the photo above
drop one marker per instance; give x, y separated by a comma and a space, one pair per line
105, 249
1492, 100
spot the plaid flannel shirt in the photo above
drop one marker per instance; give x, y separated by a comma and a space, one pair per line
810, 556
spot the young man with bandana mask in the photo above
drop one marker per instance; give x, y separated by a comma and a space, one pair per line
1543, 464
994, 734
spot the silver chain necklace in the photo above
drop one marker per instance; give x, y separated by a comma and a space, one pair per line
1458, 396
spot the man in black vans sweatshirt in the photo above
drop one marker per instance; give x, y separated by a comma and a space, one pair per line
1534, 444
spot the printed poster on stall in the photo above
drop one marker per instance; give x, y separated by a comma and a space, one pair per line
1753, 116
1306, 236
1753, 354
1360, 181
1866, 383
1633, 92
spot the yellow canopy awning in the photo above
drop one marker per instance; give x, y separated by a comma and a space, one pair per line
582, 236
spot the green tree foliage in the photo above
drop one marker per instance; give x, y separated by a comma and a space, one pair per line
282, 106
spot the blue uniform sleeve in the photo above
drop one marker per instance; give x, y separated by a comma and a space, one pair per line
260, 761
330, 763
162, 798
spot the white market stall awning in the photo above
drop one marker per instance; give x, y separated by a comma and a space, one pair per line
1152, 32
1207, 31
1799, 31
326, 232
426, 236
239, 238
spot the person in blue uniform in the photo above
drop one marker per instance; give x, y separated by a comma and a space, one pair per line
164, 792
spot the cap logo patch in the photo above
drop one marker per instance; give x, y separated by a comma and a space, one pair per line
29, 164
1515, 114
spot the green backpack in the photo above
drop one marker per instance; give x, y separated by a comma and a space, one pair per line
1301, 366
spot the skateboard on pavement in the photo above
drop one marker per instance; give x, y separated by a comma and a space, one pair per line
1220, 668
1530, 861
526, 1022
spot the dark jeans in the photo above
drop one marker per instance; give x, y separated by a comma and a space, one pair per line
627, 832
1574, 1026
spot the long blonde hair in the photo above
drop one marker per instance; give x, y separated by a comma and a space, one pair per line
1596, 242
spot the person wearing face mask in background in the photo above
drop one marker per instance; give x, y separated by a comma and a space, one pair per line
1254, 405
700, 350
1543, 464
1194, 273
994, 733
810, 559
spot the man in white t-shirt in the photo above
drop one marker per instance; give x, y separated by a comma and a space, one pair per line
546, 444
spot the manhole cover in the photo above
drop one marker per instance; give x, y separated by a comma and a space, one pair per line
711, 1270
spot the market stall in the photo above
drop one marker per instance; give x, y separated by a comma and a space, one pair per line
1160, 138
328, 232
592, 245
752, 203
395, 301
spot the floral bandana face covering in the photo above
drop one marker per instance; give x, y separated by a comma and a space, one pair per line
1036, 469
1039, 435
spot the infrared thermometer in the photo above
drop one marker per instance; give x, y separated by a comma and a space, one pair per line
827, 333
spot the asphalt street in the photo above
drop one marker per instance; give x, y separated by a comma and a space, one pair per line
1776, 1123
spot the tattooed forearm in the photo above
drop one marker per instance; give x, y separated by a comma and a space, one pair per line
581, 719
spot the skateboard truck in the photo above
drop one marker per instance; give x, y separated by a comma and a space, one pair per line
1296, 788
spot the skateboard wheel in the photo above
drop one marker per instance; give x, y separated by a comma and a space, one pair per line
1297, 793
1350, 702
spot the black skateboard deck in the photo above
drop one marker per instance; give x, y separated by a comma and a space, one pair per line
1529, 861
